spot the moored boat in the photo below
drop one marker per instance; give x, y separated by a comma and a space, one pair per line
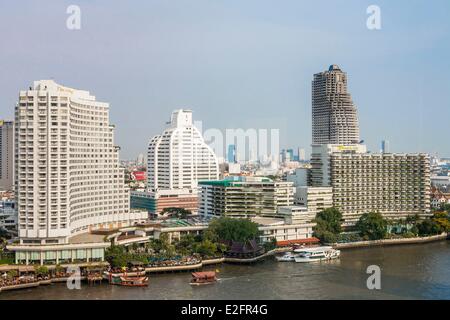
202, 278
133, 281
316, 254
287, 257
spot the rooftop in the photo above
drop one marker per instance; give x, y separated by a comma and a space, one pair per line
86, 238
267, 221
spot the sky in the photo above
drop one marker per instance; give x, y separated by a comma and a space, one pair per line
238, 64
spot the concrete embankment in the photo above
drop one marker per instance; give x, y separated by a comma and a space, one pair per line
34, 284
207, 262
255, 259
387, 242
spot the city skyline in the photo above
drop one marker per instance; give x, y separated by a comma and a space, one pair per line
217, 67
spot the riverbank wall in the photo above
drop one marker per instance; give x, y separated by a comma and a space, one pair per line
35, 284
208, 262
389, 242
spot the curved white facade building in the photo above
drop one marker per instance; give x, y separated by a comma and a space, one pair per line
67, 167
179, 157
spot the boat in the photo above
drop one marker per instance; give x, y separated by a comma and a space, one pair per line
139, 280
133, 281
287, 257
316, 254
202, 278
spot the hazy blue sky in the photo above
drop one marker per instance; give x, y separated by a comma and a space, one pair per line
239, 63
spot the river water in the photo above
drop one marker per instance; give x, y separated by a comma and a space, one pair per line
407, 272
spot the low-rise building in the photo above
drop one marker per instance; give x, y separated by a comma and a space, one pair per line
439, 198
282, 232
156, 202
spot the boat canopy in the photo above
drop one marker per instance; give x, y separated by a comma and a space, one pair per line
203, 275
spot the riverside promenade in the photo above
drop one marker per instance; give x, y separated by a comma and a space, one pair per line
162, 269
387, 242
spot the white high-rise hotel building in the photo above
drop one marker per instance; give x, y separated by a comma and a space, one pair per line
179, 157
67, 168
177, 160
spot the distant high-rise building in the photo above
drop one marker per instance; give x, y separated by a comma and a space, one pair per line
6, 155
67, 172
231, 155
179, 157
140, 161
301, 154
385, 146
287, 155
334, 116
290, 152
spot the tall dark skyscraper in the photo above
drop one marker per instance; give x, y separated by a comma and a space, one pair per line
334, 116
6, 155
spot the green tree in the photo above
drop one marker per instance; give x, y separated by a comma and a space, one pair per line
210, 234
445, 207
414, 230
41, 271
186, 244
59, 269
328, 225
206, 248
270, 245
412, 219
330, 218
429, 227
167, 249
231, 229
372, 225
442, 219
117, 256
11, 274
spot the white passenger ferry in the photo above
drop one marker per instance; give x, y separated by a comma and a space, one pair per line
287, 257
316, 254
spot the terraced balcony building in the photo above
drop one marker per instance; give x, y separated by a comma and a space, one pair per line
396, 185
247, 197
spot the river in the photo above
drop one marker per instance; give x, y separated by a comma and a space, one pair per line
407, 272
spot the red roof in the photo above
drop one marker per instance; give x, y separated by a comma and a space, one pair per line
297, 241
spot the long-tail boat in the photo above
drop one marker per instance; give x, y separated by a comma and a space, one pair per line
201, 278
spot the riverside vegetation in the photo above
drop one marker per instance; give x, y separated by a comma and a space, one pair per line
212, 243
372, 226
